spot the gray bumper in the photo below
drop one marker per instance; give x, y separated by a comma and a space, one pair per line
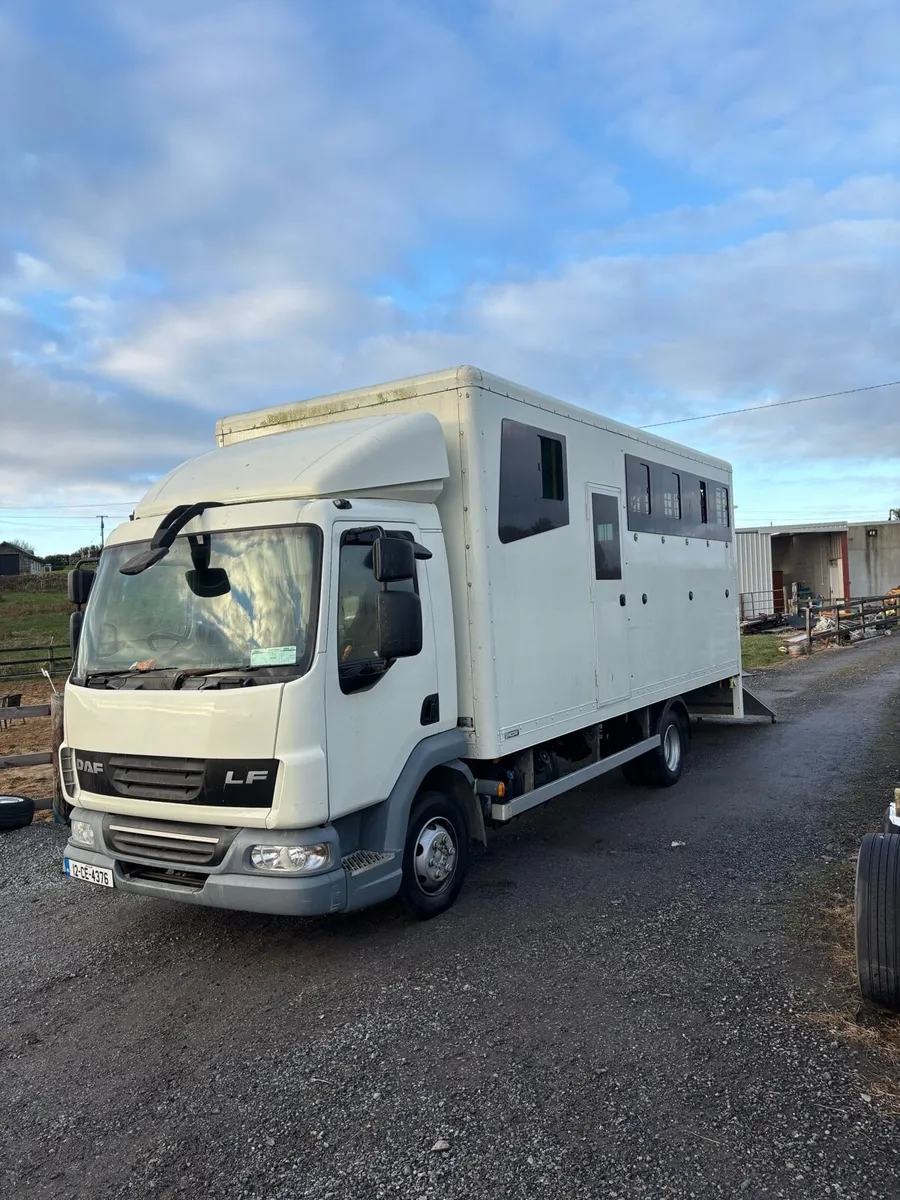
233, 884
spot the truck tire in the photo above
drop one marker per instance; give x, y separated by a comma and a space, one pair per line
15, 812
664, 765
877, 912
435, 857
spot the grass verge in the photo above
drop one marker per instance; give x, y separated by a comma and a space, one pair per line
761, 650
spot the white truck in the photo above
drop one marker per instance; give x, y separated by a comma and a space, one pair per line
325, 656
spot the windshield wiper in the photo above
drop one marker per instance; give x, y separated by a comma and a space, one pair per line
180, 675
92, 675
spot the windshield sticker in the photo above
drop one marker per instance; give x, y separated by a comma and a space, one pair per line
273, 656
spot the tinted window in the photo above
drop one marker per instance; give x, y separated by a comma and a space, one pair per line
664, 501
720, 517
607, 548
533, 492
552, 484
671, 495
638, 480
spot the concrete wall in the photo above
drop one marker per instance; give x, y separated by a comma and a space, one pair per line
813, 559
874, 561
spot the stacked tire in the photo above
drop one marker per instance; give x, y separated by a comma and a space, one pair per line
15, 812
878, 920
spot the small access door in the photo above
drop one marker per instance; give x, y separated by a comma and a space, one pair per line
778, 590
611, 666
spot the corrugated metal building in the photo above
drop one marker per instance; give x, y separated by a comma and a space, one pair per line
874, 557
773, 560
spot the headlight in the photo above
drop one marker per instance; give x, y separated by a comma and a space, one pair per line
290, 858
83, 833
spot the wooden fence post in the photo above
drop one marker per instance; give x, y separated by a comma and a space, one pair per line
61, 807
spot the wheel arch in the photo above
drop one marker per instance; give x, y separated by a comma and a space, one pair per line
677, 706
456, 780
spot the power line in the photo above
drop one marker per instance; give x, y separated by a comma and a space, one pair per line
731, 412
56, 507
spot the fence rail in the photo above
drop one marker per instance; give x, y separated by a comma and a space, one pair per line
26, 712
56, 659
26, 760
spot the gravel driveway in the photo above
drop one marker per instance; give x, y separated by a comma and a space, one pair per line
601, 1015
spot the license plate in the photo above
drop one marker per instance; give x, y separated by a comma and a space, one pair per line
101, 875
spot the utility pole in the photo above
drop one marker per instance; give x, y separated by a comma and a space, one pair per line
101, 517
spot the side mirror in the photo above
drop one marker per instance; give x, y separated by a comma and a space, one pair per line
399, 624
80, 584
76, 620
393, 559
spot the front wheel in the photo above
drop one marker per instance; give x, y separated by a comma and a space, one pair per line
436, 855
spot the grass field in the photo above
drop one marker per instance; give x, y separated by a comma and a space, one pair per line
760, 650
32, 619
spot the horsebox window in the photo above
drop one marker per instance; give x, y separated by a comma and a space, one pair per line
704, 506
533, 493
638, 479
721, 516
671, 482
607, 548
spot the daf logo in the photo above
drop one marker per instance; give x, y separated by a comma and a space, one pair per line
252, 777
89, 768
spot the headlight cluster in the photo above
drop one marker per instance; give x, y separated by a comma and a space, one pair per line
290, 858
82, 832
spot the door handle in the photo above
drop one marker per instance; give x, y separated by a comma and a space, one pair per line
622, 600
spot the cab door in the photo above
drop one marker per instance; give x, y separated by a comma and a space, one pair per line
609, 601
375, 712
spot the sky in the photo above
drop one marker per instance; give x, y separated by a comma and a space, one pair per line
652, 210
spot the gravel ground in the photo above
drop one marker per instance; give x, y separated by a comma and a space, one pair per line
601, 1015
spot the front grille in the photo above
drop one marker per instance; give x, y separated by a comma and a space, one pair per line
178, 780
167, 841
192, 880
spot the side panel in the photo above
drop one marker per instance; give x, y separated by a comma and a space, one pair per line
537, 661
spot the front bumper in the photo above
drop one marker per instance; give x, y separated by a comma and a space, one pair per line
233, 884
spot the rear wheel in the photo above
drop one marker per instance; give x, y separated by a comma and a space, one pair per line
436, 855
877, 912
664, 765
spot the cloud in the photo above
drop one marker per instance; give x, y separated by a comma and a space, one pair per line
242, 344
208, 207
731, 91
62, 440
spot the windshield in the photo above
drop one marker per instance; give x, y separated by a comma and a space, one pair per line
262, 612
